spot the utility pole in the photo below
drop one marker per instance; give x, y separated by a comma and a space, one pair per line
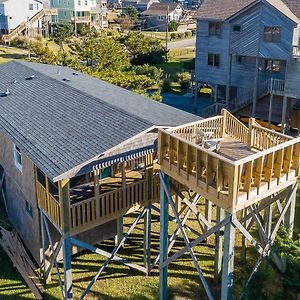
167, 32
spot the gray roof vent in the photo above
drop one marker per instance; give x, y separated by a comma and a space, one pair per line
30, 77
66, 79
15, 81
5, 94
75, 74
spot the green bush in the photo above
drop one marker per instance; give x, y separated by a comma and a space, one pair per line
183, 79
188, 34
172, 26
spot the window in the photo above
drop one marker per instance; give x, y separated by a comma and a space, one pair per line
213, 60
272, 65
86, 2
30, 6
18, 158
272, 34
240, 59
160, 17
214, 28
28, 208
79, 2
236, 28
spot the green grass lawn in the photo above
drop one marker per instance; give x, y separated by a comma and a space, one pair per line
120, 283
9, 53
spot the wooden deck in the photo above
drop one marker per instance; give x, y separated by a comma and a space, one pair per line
251, 164
233, 149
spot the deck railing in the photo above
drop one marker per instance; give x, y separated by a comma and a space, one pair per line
263, 138
111, 205
229, 183
235, 128
48, 203
190, 131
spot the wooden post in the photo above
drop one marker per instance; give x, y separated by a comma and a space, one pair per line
255, 87
228, 82
250, 134
64, 200
120, 231
270, 108
164, 239
219, 244
284, 111
97, 192
289, 218
228, 261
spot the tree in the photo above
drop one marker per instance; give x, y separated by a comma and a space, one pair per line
60, 32
132, 12
143, 49
101, 52
172, 26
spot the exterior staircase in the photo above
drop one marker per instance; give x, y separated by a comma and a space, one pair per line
7, 38
276, 86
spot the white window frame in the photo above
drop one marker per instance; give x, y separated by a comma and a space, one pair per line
17, 151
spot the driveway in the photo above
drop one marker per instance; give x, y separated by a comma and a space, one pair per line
182, 43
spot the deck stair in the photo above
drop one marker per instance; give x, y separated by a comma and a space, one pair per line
7, 38
251, 164
14, 248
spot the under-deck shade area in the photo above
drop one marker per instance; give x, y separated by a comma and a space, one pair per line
228, 163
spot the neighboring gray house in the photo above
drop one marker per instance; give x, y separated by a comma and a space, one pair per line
155, 15
248, 49
139, 5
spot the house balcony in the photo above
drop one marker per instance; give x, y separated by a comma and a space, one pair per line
95, 202
228, 163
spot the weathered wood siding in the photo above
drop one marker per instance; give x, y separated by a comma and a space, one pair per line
212, 44
20, 187
246, 42
282, 50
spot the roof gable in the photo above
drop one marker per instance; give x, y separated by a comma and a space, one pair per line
227, 9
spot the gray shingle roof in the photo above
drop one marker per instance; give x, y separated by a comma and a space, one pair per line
160, 8
60, 125
225, 9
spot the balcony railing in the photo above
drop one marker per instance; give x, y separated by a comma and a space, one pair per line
95, 211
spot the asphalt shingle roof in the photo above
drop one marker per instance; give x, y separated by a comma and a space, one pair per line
225, 9
160, 8
60, 124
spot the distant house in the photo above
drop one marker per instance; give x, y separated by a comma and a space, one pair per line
89, 12
248, 52
155, 15
14, 12
139, 5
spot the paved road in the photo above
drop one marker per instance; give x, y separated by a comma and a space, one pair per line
182, 44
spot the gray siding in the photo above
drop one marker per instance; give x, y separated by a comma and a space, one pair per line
246, 42
293, 78
212, 44
282, 50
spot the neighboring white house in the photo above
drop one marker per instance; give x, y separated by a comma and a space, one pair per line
155, 15
82, 11
14, 12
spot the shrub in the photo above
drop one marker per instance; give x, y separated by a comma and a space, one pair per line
184, 79
172, 26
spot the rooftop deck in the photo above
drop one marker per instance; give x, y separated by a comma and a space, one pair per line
228, 163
